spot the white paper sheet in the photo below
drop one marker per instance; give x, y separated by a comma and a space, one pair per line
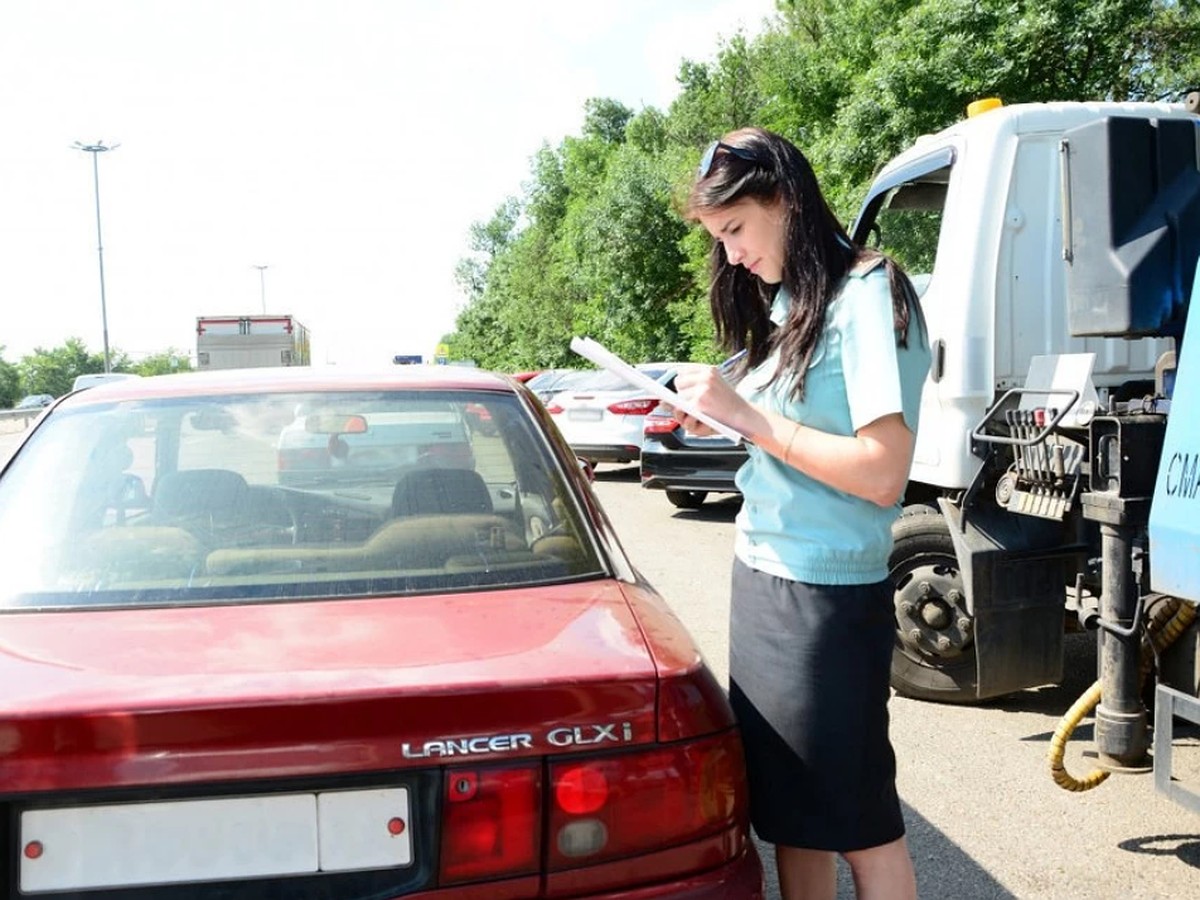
597, 353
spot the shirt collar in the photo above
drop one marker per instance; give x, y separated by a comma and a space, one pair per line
779, 307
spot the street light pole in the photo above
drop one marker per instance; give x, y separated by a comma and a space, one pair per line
262, 285
96, 149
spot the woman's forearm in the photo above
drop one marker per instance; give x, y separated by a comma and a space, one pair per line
872, 464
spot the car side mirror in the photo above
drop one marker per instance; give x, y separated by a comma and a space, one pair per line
586, 467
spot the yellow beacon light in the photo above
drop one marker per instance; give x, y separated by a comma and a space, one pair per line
979, 107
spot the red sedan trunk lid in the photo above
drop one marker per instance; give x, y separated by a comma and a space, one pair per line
106, 698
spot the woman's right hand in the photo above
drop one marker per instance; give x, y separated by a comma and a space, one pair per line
692, 425
704, 388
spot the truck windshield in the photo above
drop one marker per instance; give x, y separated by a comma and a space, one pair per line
902, 215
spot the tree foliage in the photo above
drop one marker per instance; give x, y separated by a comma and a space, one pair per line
10, 383
54, 371
169, 362
596, 245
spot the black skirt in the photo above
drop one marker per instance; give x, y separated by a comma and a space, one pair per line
809, 668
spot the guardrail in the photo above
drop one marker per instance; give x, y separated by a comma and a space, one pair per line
17, 419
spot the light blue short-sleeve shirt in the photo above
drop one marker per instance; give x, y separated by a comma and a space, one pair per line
794, 526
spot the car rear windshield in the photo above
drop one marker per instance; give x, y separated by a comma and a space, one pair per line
603, 380
286, 496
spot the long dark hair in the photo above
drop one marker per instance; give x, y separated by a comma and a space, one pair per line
818, 254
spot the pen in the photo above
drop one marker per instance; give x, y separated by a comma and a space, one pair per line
726, 366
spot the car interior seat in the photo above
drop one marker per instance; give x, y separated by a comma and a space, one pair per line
209, 499
424, 492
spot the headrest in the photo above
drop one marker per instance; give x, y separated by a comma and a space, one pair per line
432, 491
195, 491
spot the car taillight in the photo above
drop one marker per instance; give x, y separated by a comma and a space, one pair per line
606, 808
656, 423
490, 823
633, 407
554, 409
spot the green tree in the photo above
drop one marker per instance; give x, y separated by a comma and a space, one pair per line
479, 334
647, 131
627, 243
854, 92
522, 291
547, 193
606, 119
487, 240
54, 371
595, 244
168, 362
10, 383
540, 299
716, 98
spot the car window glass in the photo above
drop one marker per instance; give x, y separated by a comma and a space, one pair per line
266, 497
603, 380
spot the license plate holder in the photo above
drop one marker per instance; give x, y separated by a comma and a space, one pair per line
214, 839
585, 415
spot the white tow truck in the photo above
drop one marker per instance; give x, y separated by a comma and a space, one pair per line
1056, 480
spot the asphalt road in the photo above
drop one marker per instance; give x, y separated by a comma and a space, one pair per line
984, 818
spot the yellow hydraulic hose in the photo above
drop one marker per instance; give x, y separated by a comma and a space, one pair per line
1168, 620
1058, 744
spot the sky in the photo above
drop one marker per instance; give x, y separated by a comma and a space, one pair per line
346, 145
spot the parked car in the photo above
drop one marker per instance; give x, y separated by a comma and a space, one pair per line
430, 682
35, 401
687, 467
385, 441
545, 385
601, 415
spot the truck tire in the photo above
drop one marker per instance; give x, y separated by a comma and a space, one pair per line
934, 655
686, 499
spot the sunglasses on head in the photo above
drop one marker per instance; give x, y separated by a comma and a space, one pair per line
710, 156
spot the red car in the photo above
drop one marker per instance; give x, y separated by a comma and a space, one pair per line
420, 681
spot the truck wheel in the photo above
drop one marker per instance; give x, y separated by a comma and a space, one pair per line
934, 656
687, 499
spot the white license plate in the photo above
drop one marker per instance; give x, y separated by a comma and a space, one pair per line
585, 415
128, 844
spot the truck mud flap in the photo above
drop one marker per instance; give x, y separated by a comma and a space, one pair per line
1014, 570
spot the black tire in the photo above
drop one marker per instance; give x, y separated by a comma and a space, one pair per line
930, 608
686, 499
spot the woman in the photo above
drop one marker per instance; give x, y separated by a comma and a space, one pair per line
836, 355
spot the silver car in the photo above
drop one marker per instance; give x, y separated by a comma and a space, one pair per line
35, 401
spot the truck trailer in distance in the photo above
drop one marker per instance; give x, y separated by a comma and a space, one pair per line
250, 342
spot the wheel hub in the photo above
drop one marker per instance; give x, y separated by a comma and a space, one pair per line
936, 614
931, 612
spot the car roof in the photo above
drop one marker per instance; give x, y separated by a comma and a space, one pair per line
300, 378
91, 379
